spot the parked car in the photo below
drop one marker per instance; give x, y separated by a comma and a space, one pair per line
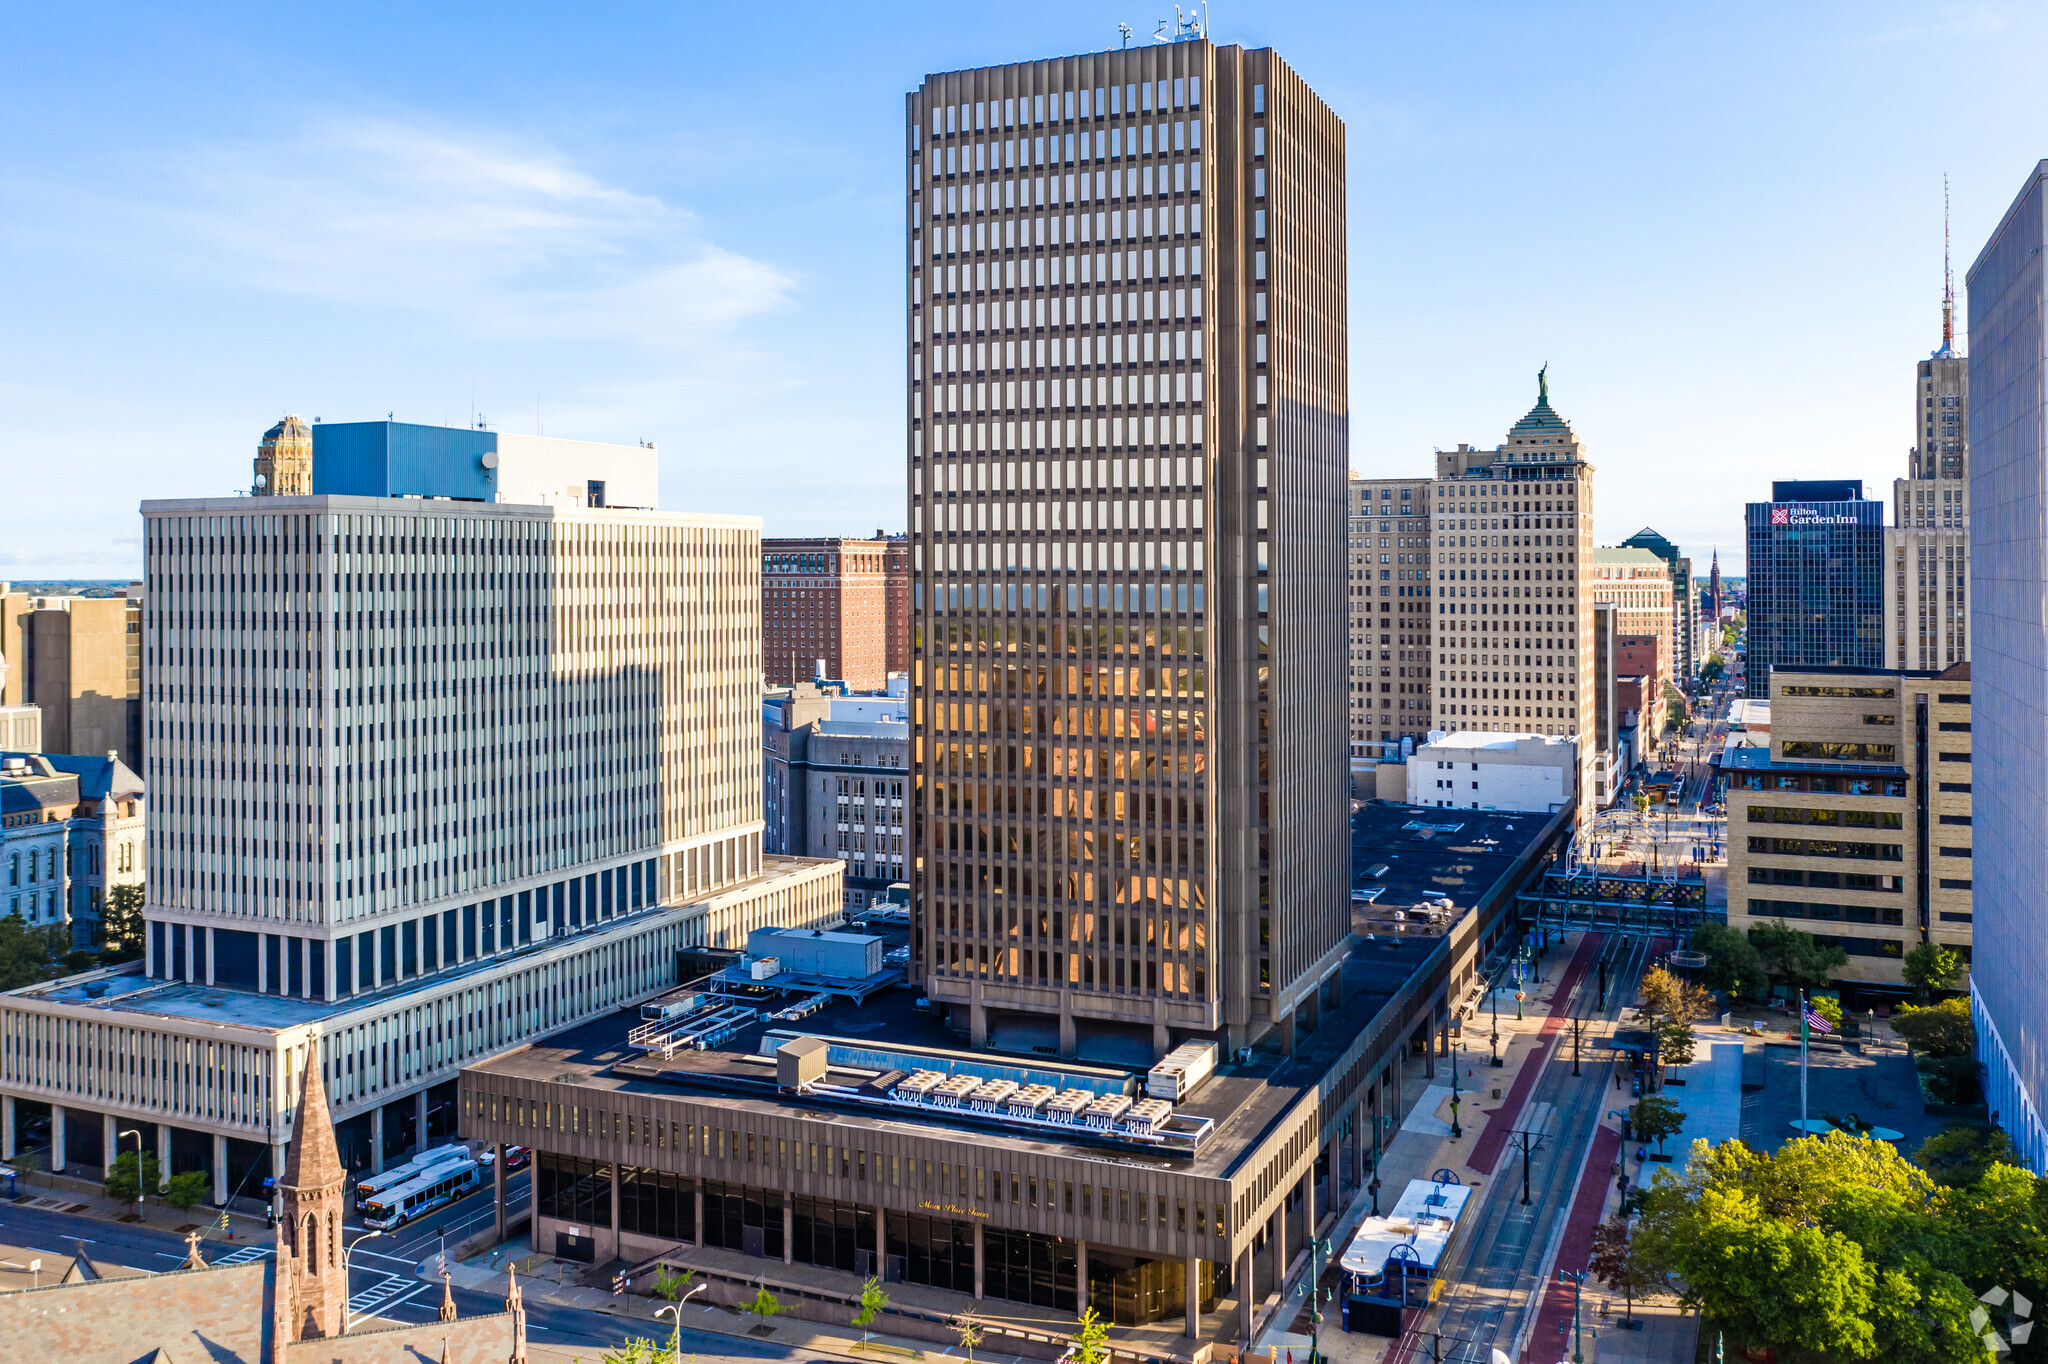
515, 1157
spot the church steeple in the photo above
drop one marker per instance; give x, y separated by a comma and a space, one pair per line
312, 1286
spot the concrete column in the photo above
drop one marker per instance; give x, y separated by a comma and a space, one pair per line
110, 1138
1247, 1294
1068, 1044
419, 1120
1429, 1048
698, 1203
1276, 1237
499, 1219
1194, 1330
6, 1127
1080, 1275
1361, 1139
377, 1139
615, 1211
262, 963
881, 1242
788, 1230
977, 1262
279, 1153
163, 1156
1162, 1041
1443, 1013
57, 1138
1286, 1026
977, 1022
209, 954
220, 1171
1308, 1204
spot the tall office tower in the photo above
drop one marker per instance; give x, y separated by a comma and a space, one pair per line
825, 601
1514, 558
1128, 438
1815, 579
1390, 615
1639, 584
1714, 588
1684, 630
2008, 489
80, 660
429, 777
284, 460
1927, 550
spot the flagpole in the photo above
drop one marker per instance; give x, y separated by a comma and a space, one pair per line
1802, 1062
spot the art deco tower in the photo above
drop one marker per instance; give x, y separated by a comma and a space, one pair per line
284, 460
1128, 444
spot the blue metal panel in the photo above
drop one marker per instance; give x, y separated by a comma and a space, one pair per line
400, 459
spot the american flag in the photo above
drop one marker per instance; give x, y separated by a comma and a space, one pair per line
1816, 1022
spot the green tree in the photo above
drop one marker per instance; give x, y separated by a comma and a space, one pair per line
1733, 966
671, 1285
1793, 958
1616, 1265
30, 953
1961, 1154
872, 1302
763, 1305
186, 1191
1930, 967
969, 1331
1675, 1042
121, 923
1655, 1119
635, 1350
1837, 1248
1091, 1341
1942, 1029
121, 1184
1830, 1008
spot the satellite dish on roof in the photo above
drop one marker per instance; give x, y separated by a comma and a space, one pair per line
262, 480
489, 459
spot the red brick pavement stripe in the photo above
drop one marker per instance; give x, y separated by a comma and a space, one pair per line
1501, 1121
1574, 1249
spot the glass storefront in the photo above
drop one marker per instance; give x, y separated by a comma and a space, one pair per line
1018, 1266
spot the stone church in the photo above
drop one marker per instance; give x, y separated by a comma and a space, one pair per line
289, 1309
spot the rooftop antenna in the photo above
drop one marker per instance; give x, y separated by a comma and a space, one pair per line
1948, 280
1125, 29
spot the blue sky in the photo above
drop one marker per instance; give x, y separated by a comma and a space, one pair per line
1721, 226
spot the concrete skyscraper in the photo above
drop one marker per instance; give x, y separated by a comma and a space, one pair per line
1514, 551
1128, 451
2008, 468
429, 777
1927, 549
1388, 525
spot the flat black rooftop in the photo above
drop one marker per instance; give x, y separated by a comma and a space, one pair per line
1466, 855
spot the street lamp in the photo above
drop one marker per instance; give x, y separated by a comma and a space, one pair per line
675, 1310
1578, 1283
1456, 1131
349, 1250
1493, 995
139, 1185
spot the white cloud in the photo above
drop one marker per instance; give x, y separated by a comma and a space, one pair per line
508, 239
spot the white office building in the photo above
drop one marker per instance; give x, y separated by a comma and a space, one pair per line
1474, 769
430, 777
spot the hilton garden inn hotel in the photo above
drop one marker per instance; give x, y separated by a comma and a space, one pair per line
433, 771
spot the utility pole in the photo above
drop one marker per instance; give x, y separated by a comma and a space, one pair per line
1577, 1023
1525, 1167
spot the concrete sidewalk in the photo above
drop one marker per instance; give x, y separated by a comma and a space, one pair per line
87, 1198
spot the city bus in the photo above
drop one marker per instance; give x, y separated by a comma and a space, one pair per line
436, 1188
370, 1185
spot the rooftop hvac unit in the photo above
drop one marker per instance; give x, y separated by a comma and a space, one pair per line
989, 1095
1026, 1102
1068, 1105
766, 968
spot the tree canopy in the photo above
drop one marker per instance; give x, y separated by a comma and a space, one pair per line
1938, 1030
1836, 1248
1733, 966
1793, 958
30, 952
